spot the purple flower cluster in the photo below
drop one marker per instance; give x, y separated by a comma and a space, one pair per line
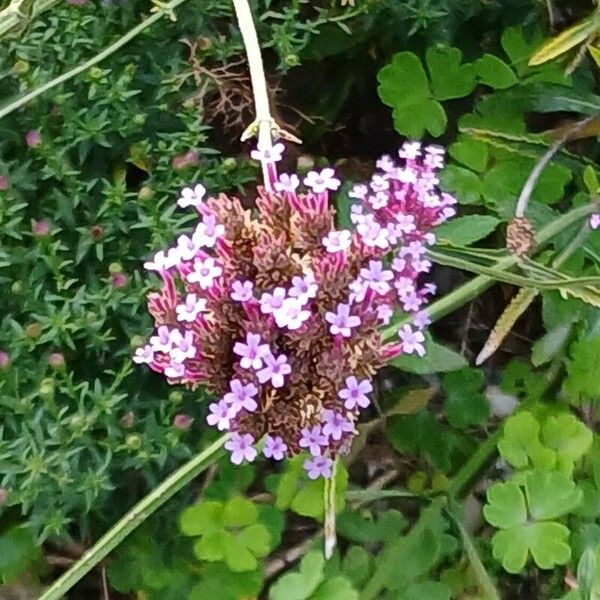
279, 313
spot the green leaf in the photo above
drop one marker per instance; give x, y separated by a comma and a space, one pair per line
238, 557
463, 231
414, 120
470, 152
256, 538
438, 359
217, 582
547, 542
550, 344
430, 590
465, 403
583, 368
309, 501
336, 588
354, 526
550, 494
494, 72
356, 565
287, 484
212, 547
567, 436
464, 184
449, 78
202, 518
520, 445
505, 506
239, 512
18, 550
300, 586
403, 81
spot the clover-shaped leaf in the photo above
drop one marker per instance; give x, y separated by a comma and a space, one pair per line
465, 403
568, 437
520, 444
449, 78
202, 519
524, 518
300, 586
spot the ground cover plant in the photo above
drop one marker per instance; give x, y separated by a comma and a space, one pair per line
364, 366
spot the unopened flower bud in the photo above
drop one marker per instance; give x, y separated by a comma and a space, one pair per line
127, 420
3, 183
182, 161
40, 229
115, 267
33, 138
118, 280
96, 232
416, 482
137, 341
204, 43
57, 361
439, 482
182, 421
4, 360
33, 330
20, 67
96, 72
305, 162
139, 119
133, 441
145, 193
17, 288
46, 389
229, 164
175, 397
291, 60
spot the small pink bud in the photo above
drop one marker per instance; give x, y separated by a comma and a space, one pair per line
182, 421
96, 232
41, 228
118, 280
4, 360
3, 183
127, 420
182, 161
57, 361
33, 138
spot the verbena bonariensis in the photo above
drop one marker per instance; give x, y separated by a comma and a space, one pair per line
277, 311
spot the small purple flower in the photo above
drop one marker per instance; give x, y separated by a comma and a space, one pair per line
313, 439
271, 302
335, 425
241, 396
274, 371
384, 314
41, 228
342, 322
287, 183
323, 181
421, 319
268, 154
304, 287
252, 352
373, 234
187, 247
378, 200
405, 223
358, 191
191, 308
412, 341
337, 241
274, 448
161, 342
205, 272
404, 286
192, 196
318, 466
377, 277
291, 314
414, 250
163, 261
355, 393
175, 370
241, 448
207, 232
118, 280
595, 221
57, 360
410, 150
183, 345
33, 138
379, 184
241, 291
385, 163
411, 302
220, 415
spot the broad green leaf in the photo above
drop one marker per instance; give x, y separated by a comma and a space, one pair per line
550, 494
287, 486
18, 549
354, 526
550, 344
505, 506
470, 152
547, 542
420, 553
465, 403
414, 120
430, 590
202, 518
519, 379
301, 585
217, 582
212, 547
568, 39
590, 179
336, 588
238, 557
595, 54
583, 369
403, 81
567, 436
494, 72
239, 512
255, 538
449, 78
464, 184
356, 565
463, 231
439, 359
520, 444
274, 520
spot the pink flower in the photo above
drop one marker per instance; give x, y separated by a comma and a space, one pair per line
335, 425
241, 291
271, 302
191, 308
377, 277
378, 200
405, 223
358, 191
187, 247
595, 221
118, 280
379, 184
4, 360
274, 371
241, 448
182, 421
313, 439
410, 150
274, 448
208, 232
321, 182
411, 302
4, 183
33, 138
163, 261
342, 322
318, 466
384, 314
241, 396
337, 241
41, 228
183, 346
412, 341
192, 196
291, 314
355, 393
267, 154
373, 234
252, 352
385, 163
161, 342
287, 183
175, 370
220, 415
304, 288
205, 272
421, 319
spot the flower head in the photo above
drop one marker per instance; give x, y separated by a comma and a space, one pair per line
241, 291
274, 370
335, 425
268, 154
192, 196
318, 466
323, 181
241, 396
241, 448
354, 394
252, 352
274, 447
313, 439
341, 321
412, 341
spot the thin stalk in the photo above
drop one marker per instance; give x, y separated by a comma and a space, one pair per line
135, 517
11, 16
466, 292
166, 9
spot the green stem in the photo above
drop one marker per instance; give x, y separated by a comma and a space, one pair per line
135, 517
478, 285
38, 91
11, 16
